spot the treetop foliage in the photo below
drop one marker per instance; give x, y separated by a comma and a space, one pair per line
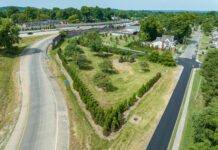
9, 34
206, 121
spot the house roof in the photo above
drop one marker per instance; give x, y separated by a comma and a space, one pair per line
135, 28
170, 38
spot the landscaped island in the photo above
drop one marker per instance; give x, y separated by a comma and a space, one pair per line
108, 79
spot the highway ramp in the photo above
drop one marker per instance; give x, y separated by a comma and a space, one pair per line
43, 121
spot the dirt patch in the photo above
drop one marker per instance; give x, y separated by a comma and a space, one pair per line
135, 119
99, 89
122, 66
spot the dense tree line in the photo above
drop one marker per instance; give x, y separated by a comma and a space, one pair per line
73, 15
178, 24
85, 14
206, 121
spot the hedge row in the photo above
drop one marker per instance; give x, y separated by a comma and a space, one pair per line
146, 87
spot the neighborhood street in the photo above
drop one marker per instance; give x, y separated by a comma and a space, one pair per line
43, 121
163, 132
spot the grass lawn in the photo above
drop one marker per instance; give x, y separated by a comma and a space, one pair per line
205, 41
205, 45
127, 81
122, 42
133, 135
136, 135
9, 90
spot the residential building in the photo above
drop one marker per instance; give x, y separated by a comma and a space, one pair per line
214, 43
164, 42
131, 30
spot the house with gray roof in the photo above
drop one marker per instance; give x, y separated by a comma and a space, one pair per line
164, 42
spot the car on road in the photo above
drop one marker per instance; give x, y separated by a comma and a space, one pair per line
29, 33
193, 56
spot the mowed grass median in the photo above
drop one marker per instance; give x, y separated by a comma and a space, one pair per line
10, 96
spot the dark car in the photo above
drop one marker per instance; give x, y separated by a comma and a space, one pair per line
29, 33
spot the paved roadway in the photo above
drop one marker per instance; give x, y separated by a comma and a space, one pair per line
43, 121
163, 132
38, 33
180, 128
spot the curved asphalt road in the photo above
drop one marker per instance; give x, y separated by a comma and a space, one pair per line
43, 121
163, 132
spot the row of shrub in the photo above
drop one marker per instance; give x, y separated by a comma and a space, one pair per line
110, 119
146, 87
127, 58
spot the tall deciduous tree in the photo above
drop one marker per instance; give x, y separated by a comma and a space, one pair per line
73, 19
167, 58
11, 10
150, 28
9, 34
180, 26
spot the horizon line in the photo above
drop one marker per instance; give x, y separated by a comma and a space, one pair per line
194, 10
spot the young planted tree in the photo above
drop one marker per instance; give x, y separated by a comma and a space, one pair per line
144, 66
95, 45
72, 50
103, 81
154, 56
167, 59
106, 66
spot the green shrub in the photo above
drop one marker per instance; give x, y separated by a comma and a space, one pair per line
146, 87
144, 66
103, 81
106, 66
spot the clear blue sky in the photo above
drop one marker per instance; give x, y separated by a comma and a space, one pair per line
120, 4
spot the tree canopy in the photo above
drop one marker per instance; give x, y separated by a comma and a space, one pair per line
150, 28
9, 34
205, 122
73, 19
